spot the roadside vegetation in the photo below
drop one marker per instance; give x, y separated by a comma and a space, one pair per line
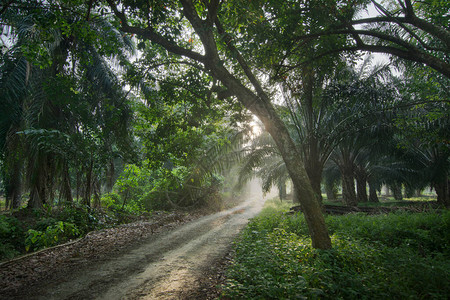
404, 255
26, 230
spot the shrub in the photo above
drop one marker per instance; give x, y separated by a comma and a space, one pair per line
11, 237
59, 233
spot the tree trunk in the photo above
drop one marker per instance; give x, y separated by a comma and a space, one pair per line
35, 201
96, 190
295, 196
373, 197
13, 187
348, 189
330, 191
78, 185
40, 184
87, 192
263, 109
282, 189
13, 169
313, 165
300, 180
397, 192
443, 192
314, 170
361, 186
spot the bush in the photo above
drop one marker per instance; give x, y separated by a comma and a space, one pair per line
83, 217
11, 237
55, 234
395, 256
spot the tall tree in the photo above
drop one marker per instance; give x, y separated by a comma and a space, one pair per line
62, 91
218, 53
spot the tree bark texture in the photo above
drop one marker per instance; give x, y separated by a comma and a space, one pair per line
373, 197
443, 192
13, 187
314, 170
348, 188
330, 191
397, 192
361, 186
13, 170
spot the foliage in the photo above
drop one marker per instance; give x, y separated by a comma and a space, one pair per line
69, 115
53, 235
402, 255
11, 237
29, 230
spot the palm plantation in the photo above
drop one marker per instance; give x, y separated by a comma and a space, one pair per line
123, 108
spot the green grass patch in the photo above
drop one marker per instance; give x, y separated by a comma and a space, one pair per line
395, 256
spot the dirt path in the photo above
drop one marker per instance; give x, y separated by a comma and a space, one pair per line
166, 266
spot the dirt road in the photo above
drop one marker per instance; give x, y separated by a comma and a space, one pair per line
166, 266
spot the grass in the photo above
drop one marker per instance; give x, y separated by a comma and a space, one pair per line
395, 256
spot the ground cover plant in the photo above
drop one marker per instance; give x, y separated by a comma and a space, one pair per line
391, 256
27, 230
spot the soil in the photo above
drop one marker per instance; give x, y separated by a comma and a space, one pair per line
175, 256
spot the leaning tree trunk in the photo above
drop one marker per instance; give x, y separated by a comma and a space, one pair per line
260, 105
300, 180
263, 109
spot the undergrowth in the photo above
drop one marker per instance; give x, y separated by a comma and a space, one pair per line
29, 230
395, 256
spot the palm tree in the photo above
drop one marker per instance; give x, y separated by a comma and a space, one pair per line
60, 95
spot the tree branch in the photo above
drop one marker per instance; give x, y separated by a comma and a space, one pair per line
421, 57
150, 34
245, 67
